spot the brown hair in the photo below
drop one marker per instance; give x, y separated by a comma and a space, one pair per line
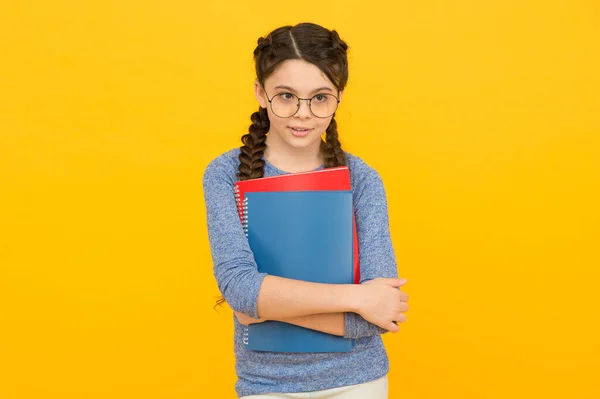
311, 43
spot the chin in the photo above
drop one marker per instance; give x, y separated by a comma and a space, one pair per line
303, 142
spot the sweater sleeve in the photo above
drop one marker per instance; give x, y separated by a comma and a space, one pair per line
376, 253
234, 266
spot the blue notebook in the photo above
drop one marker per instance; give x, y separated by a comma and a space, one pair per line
306, 235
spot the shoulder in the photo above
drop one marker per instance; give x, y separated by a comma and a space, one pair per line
367, 185
361, 173
223, 167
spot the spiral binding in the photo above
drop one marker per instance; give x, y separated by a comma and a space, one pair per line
238, 200
245, 214
245, 335
242, 208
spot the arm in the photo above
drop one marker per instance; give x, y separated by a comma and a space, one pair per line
252, 293
282, 298
233, 263
377, 258
331, 323
339, 323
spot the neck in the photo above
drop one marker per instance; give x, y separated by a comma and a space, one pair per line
291, 159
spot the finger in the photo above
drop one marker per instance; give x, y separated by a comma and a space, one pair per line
392, 327
403, 306
401, 318
396, 282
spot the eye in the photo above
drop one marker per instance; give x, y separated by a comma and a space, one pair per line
286, 96
320, 98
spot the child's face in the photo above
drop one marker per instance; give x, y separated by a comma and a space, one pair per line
305, 80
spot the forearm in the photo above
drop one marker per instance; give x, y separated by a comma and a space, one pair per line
282, 298
347, 324
331, 323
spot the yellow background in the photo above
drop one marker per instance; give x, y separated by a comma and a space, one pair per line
482, 117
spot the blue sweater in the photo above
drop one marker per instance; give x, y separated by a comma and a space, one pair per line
239, 281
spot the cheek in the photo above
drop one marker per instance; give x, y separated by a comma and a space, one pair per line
324, 124
274, 121
278, 123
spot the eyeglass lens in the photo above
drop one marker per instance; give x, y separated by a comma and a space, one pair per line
287, 104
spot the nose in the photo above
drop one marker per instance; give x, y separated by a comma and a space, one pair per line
304, 109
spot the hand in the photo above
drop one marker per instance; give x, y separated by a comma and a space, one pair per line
246, 320
382, 303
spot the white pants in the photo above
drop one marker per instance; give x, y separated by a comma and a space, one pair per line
377, 389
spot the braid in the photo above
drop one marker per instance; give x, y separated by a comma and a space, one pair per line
332, 148
251, 163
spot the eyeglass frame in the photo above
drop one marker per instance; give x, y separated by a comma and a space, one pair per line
305, 99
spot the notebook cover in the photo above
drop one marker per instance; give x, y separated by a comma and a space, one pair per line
304, 235
337, 178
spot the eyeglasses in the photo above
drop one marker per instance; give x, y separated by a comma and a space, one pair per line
286, 105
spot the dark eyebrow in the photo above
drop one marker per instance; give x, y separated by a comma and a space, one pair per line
292, 90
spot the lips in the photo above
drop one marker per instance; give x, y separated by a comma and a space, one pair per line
299, 131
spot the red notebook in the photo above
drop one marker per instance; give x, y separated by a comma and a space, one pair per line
337, 178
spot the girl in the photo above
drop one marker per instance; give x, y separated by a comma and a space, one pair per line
301, 74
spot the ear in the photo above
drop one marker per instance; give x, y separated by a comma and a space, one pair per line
340, 95
260, 95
